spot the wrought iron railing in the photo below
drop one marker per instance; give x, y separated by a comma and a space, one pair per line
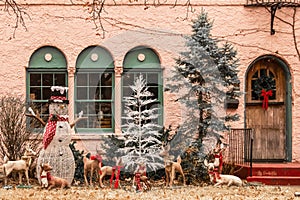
240, 147
274, 5
272, 2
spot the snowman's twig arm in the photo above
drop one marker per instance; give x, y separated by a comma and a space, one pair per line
38, 118
77, 120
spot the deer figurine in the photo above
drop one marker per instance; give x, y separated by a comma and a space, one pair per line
20, 166
112, 171
92, 164
170, 166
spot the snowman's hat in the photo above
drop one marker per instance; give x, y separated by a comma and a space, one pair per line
58, 95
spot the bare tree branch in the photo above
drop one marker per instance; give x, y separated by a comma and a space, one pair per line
18, 11
294, 33
96, 9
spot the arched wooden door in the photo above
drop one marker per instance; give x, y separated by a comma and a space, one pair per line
266, 109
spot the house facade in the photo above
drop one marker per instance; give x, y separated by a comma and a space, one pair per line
98, 61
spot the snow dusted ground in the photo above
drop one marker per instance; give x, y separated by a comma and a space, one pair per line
180, 193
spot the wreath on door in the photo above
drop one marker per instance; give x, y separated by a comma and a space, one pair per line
263, 83
263, 86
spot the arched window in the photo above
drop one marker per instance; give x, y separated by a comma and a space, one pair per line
47, 67
143, 60
94, 89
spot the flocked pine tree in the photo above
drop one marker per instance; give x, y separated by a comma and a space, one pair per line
141, 132
205, 76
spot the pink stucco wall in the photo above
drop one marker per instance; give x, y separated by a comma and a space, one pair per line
66, 26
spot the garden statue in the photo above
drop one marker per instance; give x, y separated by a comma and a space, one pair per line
218, 157
141, 175
57, 137
171, 167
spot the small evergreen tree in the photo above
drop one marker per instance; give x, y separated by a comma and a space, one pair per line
141, 133
79, 165
205, 76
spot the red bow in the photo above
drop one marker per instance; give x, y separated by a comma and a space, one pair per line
99, 159
266, 95
96, 157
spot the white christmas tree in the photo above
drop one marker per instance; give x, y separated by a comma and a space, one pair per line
141, 132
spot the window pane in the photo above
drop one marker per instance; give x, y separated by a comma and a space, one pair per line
104, 115
46, 93
47, 79
35, 93
35, 79
94, 93
82, 93
255, 75
59, 80
81, 79
94, 79
41, 109
106, 93
263, 72
154, 90
128, 79
152, 78
106, 79
127, 92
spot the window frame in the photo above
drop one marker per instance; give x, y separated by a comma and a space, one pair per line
40, 102
111, 101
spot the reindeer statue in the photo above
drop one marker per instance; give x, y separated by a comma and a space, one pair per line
140, 175
19, 165
92, 164
112, 171
170, 166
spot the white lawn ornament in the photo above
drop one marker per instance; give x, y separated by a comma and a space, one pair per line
57, 137
221, 179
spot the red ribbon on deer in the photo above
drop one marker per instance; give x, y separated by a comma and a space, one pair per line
117, 176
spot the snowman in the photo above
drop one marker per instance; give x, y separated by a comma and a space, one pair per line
57, 137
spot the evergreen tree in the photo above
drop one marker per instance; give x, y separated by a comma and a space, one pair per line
141, 132
205, 76
78, 157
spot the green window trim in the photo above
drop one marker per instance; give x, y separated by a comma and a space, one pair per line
47, 67
94, 90
95, 57
141, 57
47, 57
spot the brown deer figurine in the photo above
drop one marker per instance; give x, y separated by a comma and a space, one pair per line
92, 164
170, 166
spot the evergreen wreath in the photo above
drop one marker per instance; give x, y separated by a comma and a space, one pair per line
263, 83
